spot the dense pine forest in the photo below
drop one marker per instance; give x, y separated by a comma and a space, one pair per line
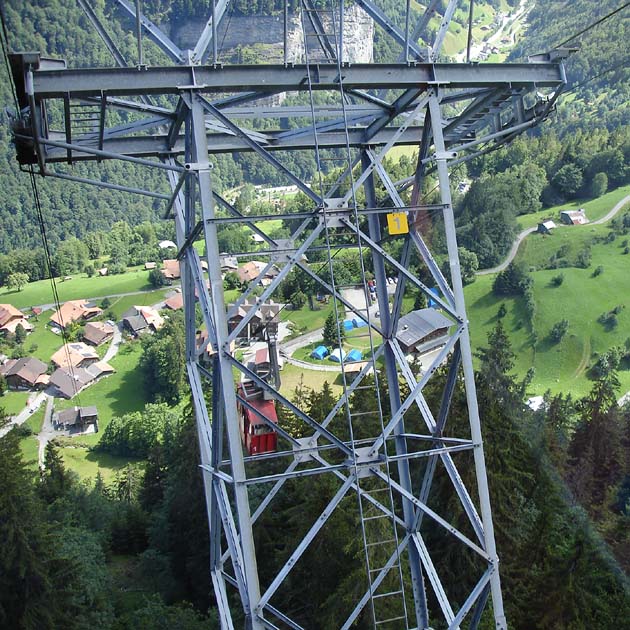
132, 552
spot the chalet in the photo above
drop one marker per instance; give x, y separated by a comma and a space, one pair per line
74, 355
135, 325
74, 311
545, 227
97, 333
76, 419
141, 319
167, 245
175, 302
263, 314
170, 269
423, 330
68, 383
228, 263
11, 317
250, 271
573, 217
25, 373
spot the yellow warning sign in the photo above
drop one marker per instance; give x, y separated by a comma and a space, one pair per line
397, 223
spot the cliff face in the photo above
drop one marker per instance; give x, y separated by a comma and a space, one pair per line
266, 33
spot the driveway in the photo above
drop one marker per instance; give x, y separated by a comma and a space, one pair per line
34, 402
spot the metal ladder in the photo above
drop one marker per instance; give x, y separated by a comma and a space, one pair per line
377, 513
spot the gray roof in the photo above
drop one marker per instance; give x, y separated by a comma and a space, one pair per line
136, 322
415, 326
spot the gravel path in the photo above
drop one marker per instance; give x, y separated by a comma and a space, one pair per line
524, 233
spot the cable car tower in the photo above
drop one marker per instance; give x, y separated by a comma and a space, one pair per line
178, 117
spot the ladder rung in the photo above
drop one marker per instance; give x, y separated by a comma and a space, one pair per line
385, 568
378, 623
362, 413
381, 595
380, 542
374, 518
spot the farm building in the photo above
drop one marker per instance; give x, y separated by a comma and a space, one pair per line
320, 353
545, 227
423, 330
573, 217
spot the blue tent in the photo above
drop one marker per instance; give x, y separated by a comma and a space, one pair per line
337, 355
319, 353
358, 322
354, 355
348, 325
436, 292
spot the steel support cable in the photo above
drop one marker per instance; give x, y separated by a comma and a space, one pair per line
4, 39
55, 293
593, 25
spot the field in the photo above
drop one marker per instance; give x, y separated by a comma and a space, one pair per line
595, 208
114, 395
80, 286
581, 299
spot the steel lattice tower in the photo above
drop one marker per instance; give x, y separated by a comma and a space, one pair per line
450, 112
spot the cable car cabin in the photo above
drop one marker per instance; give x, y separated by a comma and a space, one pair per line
256, 435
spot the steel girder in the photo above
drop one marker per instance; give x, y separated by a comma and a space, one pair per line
468, 106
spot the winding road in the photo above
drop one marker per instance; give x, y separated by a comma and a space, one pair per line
521, 236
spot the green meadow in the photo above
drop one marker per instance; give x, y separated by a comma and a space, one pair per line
581, 299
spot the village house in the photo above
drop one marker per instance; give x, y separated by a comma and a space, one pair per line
76, 419
141, 319
11, 317
170, 269
250, 271
264, 313
69, 382
74, 355
25, 373
97, 333
175, 302
74, 311
422, 331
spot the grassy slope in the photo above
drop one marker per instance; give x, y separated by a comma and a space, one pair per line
114, 395
80, 286
581, 299
595, 208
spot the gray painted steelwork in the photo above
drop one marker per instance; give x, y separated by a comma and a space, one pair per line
451, 112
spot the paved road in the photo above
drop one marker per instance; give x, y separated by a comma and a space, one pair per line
115, 343
47, 433
35, 399
524, 233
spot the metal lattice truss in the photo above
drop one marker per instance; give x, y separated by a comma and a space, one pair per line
450, 112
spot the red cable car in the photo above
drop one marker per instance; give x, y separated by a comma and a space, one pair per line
256, 435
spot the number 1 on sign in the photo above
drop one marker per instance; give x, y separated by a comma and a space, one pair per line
397, 223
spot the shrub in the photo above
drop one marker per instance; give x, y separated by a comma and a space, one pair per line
559, 330
556, 281
598, 271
